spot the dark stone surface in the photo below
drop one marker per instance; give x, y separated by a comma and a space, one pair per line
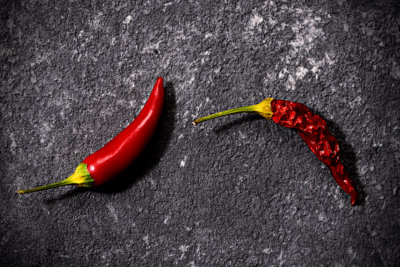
238, 191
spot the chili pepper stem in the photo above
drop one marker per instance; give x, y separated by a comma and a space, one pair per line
80, 177
263, 108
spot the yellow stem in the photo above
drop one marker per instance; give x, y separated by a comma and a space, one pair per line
263, 108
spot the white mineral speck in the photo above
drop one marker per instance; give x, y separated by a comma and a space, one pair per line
167, 219
255, 20
146, 239
113, 213
183, 162
301, 72
242, 135
127, 20
267, 251
183, 249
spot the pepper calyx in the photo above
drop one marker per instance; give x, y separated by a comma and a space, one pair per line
81, 176
264, 108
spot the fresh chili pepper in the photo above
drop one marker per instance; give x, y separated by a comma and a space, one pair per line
121, 151
312, 129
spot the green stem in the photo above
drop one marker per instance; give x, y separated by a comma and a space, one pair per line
80, 177
44, 187
247, 109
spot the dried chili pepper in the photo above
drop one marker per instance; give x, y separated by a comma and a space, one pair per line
312, 129
121, 151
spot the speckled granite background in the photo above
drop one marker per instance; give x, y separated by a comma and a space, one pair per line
237, 191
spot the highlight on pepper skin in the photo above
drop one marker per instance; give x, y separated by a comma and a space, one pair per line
312, 129
121, 151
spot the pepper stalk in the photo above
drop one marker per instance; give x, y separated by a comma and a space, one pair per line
263, 108
80, 177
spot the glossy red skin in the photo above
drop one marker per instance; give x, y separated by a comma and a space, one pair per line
314, 131
123, 149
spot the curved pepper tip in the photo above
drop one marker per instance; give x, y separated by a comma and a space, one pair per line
159, 80
354, 197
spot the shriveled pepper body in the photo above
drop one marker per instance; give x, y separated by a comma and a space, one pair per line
312, 129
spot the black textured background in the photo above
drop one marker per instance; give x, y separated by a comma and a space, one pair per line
236, 191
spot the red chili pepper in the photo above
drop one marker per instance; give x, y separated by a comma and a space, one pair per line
121, 151
312, 129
